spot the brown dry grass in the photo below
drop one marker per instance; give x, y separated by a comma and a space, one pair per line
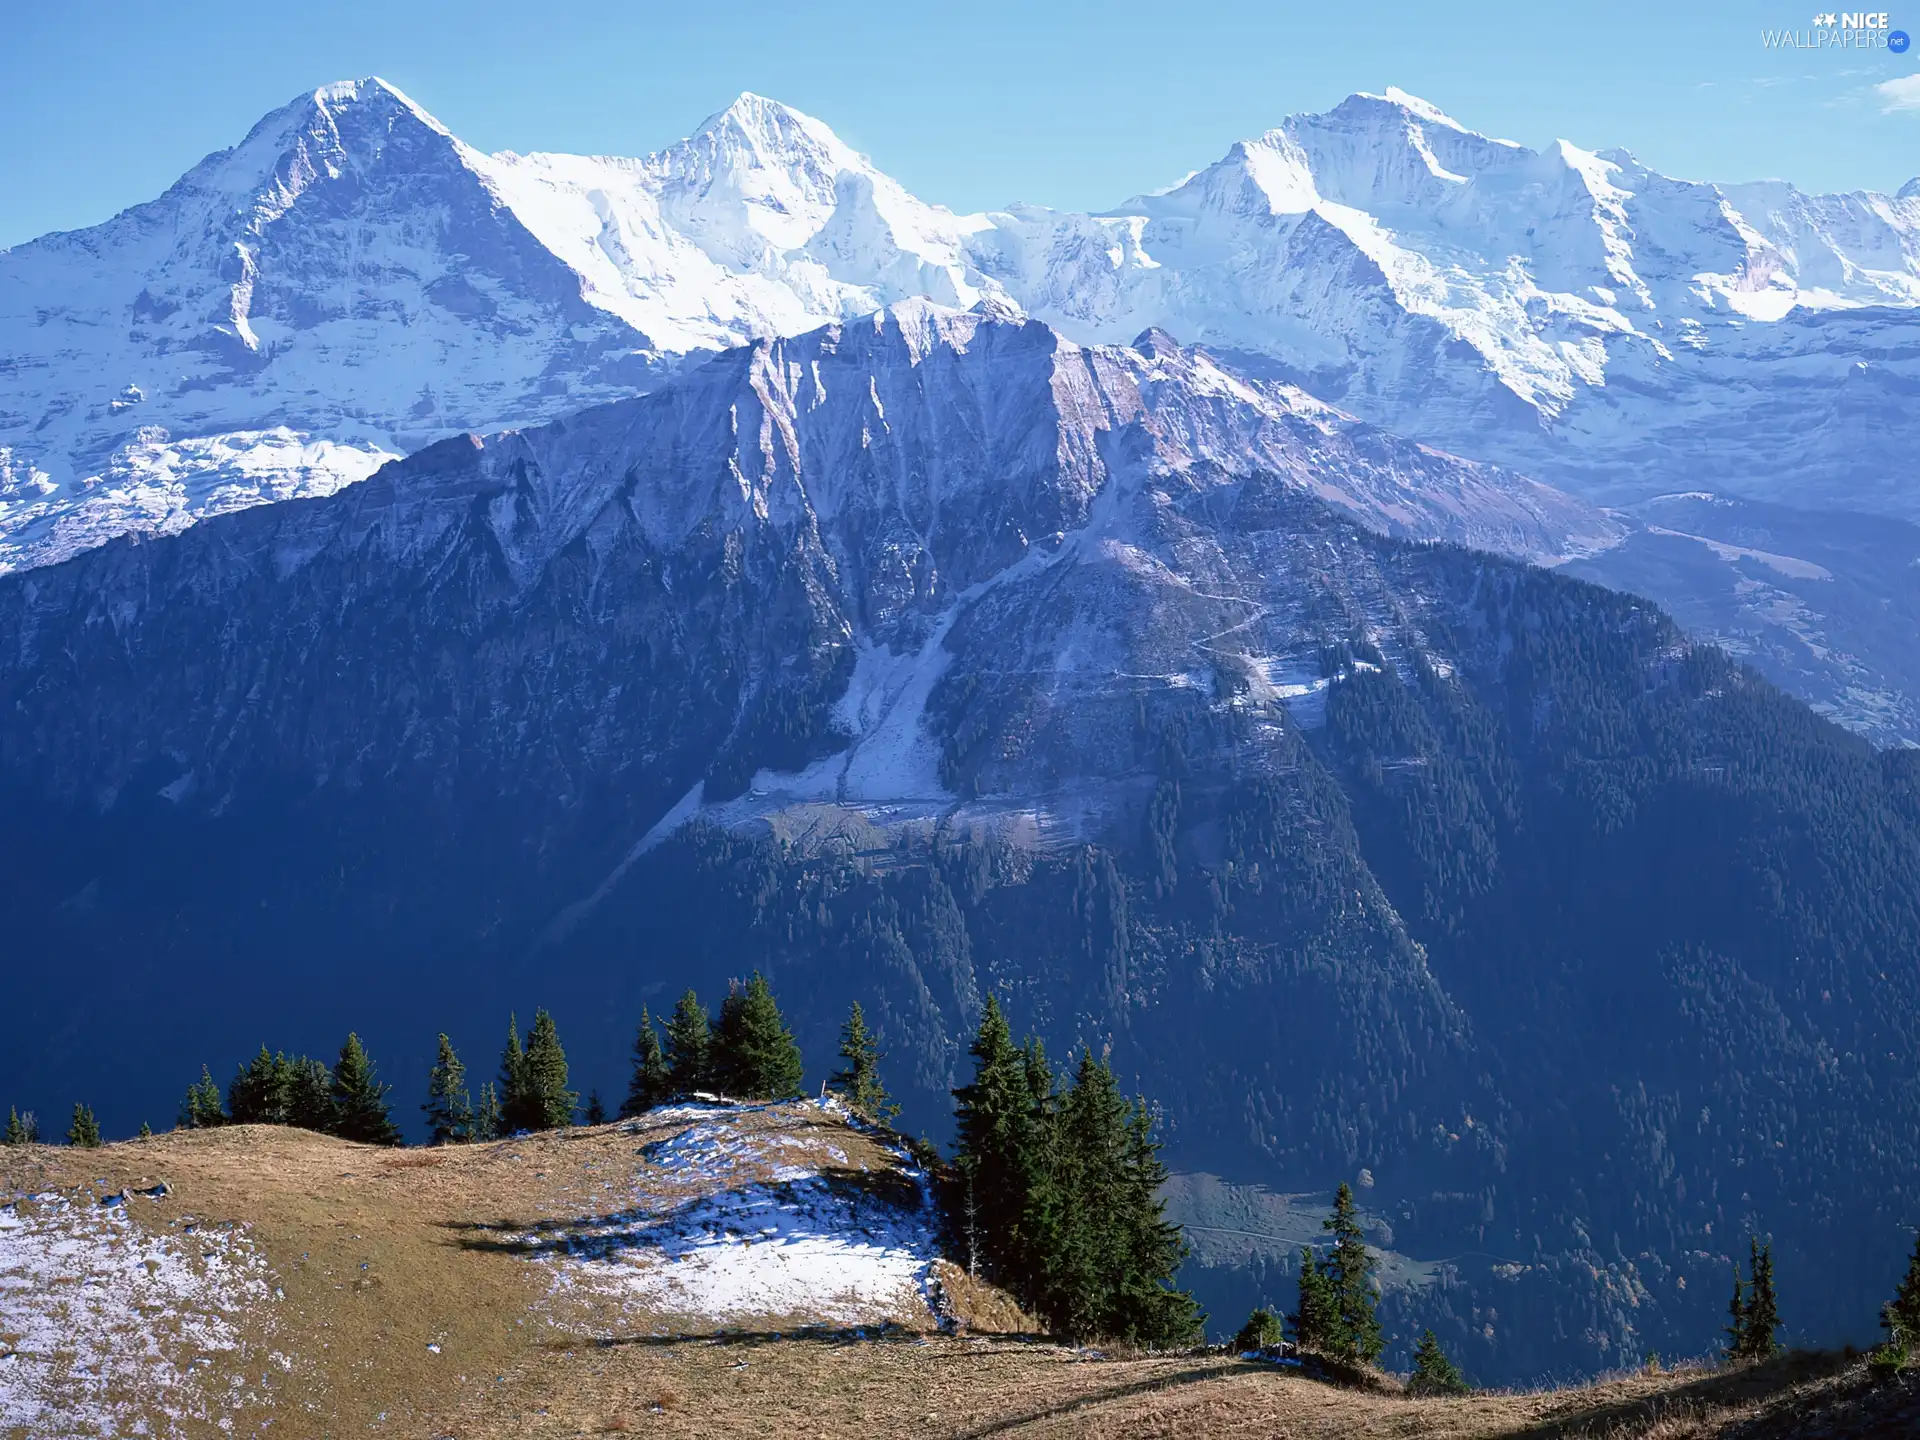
376, 1253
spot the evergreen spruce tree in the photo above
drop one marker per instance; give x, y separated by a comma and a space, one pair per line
859, 1083
516, 1102
1736, 1328
146, 1131
1151, 1311
650, 1084
1900, 1315
1316, 1321
549, 1104
1349, 1270
449, 1109
1086, 1259
310, 1096
596, 1112
1763, 1312
487, 1122
260, 1092
85, 1130
16, 1129
1433, 1372
1261, 1332
360, 1100
754, 1057
689, 1047
203, 1107
994, 1120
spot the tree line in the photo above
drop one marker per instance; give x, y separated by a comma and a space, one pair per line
1053, 1191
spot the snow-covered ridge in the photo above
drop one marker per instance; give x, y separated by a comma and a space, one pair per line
353, 282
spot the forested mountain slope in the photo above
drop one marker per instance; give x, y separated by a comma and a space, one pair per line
931, 656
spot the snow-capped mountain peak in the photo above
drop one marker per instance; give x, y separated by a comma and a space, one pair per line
351, 280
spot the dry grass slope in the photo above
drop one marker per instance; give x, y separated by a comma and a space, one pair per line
455, 1293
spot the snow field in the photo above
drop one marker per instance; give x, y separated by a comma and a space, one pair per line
110, 1329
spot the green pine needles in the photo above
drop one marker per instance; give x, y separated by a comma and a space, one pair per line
449, 1109
754, 1057
650, 1084
359, 1099
1338, 1317
533, 1079
1263, 1331
85, 1130
689, 1045
858, 1083
1058, 1195
1433, 1372
1901, 1315
1753, 1315
22, 1129
202, 1109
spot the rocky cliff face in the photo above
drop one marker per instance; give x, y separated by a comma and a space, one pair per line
721, 555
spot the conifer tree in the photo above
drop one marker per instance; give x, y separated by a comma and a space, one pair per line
1900, 1315
548, 1102
994, 1121
596, 1112
259, 1094
754, 1057
650, 1084
1736, 1327
1349, 1271
85, 1130
1086, 1255
1433, 1372
310, 1096
1151, 1311
146, 1131
16, 1129
487, 1122
1261, 1332
448, 1107
203, 1107
360, 1100
689, 1047
1316, 1322
516, 1107
1762, 1317
859, 1082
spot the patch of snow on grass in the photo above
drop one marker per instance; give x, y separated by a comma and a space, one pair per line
108, 1328
735, 1222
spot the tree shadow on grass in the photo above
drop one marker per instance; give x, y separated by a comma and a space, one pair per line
1718, 1390
881, 1199
1064, 1408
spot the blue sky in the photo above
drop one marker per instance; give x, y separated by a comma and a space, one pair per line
1057, 102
